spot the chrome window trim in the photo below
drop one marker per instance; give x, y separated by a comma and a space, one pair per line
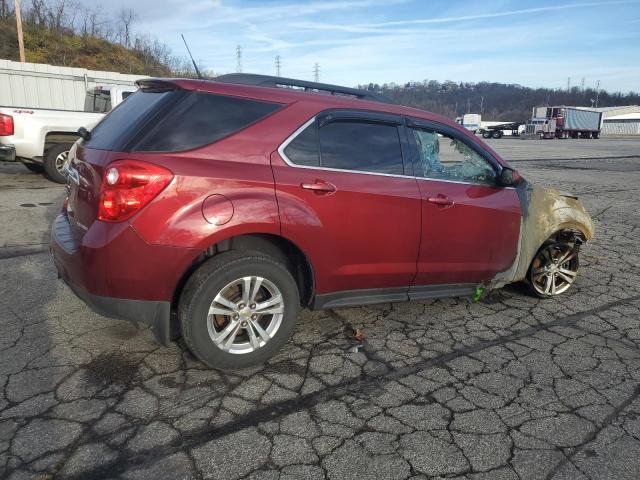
300, 129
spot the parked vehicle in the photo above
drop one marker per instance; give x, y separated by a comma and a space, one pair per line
499, 130
216, 209
470, 121
565, 122
41, 138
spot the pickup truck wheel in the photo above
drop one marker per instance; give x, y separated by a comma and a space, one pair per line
554, 269
34, 167
238, 309
54, 160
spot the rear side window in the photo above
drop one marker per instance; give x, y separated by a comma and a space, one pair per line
200, 119
123, 120
361, 146
174, 120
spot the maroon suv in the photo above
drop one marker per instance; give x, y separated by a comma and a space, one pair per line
216, 209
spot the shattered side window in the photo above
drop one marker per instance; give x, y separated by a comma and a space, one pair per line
446, 158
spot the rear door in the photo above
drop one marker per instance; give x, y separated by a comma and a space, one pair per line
348, 198
470, 225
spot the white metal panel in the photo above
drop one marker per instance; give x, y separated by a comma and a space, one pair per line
38, 85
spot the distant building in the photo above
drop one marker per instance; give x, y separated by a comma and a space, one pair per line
623, 120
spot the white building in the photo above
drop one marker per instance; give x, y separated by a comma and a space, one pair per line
625, 124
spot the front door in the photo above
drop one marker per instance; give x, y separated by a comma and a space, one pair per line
470, 226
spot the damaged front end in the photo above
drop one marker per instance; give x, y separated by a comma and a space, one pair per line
553, 226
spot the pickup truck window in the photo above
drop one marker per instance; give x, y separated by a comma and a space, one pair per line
97, 102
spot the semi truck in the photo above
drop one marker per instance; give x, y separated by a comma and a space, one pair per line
565, 122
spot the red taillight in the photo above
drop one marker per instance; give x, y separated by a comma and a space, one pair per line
6, 125
127, 186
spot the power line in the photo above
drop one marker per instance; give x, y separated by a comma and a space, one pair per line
239, 59
278, 65
316, 72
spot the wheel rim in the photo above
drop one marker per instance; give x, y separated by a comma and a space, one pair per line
245, 315
60, 161
554, 269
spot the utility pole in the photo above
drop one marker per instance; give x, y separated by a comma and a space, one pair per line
597, 92
19, 28
481, 104
582, 85
568, 84
468, 105
239, 59
316, 72
278, 65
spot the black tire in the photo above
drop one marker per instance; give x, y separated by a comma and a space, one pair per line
595, 135
575, 265
52, 165
209, 280
486, 134
34, 167
497, 134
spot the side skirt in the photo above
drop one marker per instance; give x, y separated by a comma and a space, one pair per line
351, 298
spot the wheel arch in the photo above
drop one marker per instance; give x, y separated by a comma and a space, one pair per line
276, 246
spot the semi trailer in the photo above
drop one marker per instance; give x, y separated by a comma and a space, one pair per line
565, 122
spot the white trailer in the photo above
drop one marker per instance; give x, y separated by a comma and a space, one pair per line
38, 85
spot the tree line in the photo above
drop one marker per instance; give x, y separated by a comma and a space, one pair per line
495, 101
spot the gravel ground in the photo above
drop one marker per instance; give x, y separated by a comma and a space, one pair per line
510, 387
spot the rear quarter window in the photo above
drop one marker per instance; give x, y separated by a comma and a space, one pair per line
175, 120
200, 119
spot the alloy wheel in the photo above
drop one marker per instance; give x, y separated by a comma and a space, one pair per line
245, 315
554, 269
61, 160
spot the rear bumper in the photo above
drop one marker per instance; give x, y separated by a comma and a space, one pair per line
148, 312
118, 274
7, 153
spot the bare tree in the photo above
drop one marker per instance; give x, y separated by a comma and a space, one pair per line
126, 17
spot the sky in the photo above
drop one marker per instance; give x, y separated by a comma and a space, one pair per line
536, 44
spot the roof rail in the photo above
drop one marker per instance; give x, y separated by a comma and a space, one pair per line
282, 82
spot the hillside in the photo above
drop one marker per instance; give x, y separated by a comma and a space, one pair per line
70, 50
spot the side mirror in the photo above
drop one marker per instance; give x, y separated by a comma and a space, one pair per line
509, 177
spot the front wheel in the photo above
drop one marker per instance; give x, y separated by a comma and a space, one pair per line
554, 269
238, 309
54, 162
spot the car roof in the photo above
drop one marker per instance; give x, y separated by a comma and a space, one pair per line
321, 99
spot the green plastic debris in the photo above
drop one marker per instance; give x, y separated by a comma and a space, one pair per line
478, 293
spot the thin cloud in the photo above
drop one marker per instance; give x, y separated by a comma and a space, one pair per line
364, 26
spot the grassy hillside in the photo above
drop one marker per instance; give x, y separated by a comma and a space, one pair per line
66, 49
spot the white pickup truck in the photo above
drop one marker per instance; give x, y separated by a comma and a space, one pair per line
41, 138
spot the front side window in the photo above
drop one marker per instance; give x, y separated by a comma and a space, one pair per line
361, 146
446, 158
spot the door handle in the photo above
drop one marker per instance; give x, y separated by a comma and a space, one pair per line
319, 186
441, 201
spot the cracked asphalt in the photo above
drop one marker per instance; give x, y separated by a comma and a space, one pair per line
511, 387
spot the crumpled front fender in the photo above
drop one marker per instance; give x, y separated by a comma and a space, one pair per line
545, 212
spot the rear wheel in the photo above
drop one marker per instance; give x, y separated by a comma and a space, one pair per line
554, 269
238, 309
497, 134
54, 162
486, 134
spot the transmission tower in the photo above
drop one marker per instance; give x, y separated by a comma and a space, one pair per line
316, 72
568, 84
597, 92
239, 59
278, 65
582, 85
